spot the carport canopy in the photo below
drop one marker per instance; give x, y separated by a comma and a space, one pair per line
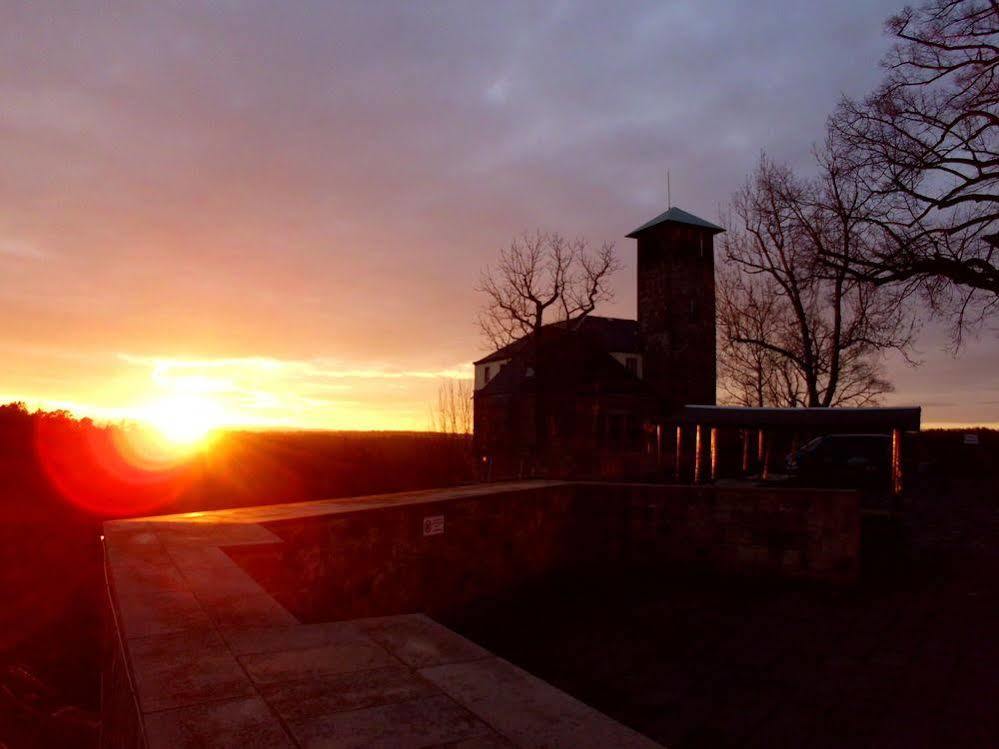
884, 420
893, 421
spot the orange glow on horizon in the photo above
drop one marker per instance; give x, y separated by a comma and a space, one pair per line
183, 421
186, 397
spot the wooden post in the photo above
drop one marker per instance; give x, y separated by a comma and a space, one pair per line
765, 448
761, 443
745, 451
714, 453
678, 460
698, 461
896, 462
659, 447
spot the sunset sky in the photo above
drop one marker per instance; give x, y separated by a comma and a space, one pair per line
283, 208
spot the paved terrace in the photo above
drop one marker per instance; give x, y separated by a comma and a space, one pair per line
906, 657
204, 656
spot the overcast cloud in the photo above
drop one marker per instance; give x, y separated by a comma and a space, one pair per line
315, 182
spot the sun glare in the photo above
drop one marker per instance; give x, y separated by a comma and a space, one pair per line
184, 421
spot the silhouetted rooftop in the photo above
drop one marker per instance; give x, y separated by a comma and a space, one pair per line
609, 333
677, 216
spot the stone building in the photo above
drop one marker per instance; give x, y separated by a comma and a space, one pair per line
589, 397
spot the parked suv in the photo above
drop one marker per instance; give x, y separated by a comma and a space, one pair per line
843, 461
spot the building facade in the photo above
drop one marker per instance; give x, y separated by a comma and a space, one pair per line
589, 397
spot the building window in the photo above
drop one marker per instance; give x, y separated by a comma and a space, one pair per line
631, 362
488, 374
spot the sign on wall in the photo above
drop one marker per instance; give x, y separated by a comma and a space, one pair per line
433, 525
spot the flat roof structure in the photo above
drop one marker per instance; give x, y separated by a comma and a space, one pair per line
860, 419
894, 421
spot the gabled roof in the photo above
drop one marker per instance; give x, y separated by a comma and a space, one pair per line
571, 364
609, 333
676, 216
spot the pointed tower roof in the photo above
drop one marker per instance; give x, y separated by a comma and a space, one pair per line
676, 216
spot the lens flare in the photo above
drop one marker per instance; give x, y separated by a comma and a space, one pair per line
135, 468
110, 471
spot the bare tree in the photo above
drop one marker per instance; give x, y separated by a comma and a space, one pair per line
452, 411
540, 278
749, 309
926, 140
451, 418
792, 331
543, 277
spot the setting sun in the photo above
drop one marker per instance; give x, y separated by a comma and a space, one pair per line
184, 420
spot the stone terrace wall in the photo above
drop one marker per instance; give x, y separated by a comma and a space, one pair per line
379, 561
179, 607
789, 533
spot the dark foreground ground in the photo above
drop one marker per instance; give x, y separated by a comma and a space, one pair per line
909, 658
57, 486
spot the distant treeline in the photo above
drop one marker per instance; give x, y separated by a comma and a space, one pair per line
51, 459
958, 453
52, 462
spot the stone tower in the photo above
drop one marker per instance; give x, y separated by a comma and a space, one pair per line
676, 307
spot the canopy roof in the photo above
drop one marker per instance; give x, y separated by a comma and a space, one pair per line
677, 216
860, 419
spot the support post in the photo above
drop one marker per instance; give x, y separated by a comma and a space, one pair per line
714, 453
745, 451
761, 443
698, 460
678, 459
896, 462
766, 443
659, 447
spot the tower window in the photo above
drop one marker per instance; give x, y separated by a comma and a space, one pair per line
631, 362
693, 309
488, 374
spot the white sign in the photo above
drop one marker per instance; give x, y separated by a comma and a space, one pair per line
433, 525
971, 439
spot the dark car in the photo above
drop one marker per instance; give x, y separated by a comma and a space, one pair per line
843, 461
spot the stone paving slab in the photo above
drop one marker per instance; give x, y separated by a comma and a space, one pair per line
529, 711
241, 724
185, 668
250, 640
488, 741
404, 725
216, 661
419, 641
162, 612
333, 693
137, 577
342, 657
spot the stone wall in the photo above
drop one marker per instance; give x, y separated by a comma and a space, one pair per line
121, 722
179, 607
788, 533
392, 560
200, 655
